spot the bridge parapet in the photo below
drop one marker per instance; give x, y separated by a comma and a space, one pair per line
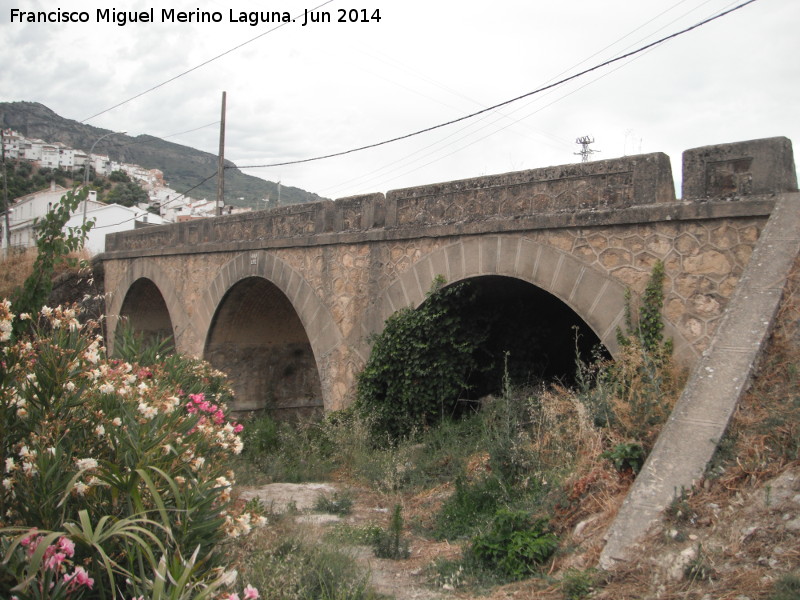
764, 166
578, 194
600, 185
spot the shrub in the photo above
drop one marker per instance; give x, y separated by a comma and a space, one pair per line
126, 462
470, 506
419, 364
340, 503
514, 545
390, 543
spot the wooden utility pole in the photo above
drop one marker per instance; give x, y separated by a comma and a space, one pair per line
6, 207
221, 164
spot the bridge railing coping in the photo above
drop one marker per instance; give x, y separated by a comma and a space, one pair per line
763, 166
720, 171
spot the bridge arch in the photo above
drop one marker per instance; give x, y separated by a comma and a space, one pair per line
597, 298
258, 279
147, 295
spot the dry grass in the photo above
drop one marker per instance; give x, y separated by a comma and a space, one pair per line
14, 269
18, 266
738, 517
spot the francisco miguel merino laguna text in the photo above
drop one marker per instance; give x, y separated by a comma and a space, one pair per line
170, 15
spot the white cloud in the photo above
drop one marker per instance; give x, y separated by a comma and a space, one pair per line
298, 91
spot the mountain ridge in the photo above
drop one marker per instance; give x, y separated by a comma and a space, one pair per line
184, 167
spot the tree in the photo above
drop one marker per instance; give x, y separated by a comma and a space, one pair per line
127, 194
54, 243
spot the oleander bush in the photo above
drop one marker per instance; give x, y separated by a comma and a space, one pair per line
115, 479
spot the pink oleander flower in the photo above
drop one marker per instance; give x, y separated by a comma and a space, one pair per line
250, 593
55, 559
238, 428
219, 417
67, 546
197, 398
79, 577
31, 541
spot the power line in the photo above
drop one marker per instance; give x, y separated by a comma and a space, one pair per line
196, 67
633, 53
396, 164
506, 102
171, 135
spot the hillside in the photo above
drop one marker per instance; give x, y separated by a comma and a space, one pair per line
183, 167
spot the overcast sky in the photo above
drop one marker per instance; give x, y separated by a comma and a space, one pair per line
298, 91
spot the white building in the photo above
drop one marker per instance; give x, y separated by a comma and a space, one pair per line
112, 218
11, 142
34, 206
109, 218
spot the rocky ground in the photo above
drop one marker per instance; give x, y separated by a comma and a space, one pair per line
709, 546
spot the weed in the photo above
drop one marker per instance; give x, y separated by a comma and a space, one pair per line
469, 507
786, 588
514, 545
390, 543
449, 574
294, 569
365, 535
680, 509
626, 456
698, 568
340, 503
576, 584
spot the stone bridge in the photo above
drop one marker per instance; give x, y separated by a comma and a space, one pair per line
285, 300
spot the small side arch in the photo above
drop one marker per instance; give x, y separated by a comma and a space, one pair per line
316, 320
149, 280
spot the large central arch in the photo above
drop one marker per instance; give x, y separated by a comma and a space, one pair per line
598, 299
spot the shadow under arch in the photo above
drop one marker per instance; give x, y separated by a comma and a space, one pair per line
597, 298
266, 327
146, 297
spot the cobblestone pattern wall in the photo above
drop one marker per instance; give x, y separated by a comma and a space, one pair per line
703, 261
334, 261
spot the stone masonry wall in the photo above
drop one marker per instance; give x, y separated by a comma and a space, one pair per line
336, 262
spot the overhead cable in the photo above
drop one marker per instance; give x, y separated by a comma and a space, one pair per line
504, 103
196, 67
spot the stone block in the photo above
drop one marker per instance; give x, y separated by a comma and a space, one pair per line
507, 255
762, 166
471, 249
438, 264
488, 255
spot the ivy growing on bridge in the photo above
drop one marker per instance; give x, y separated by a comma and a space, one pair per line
420, 363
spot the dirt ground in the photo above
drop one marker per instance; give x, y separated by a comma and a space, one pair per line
739, 546
401, 579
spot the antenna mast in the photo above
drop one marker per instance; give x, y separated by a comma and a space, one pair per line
585, 152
